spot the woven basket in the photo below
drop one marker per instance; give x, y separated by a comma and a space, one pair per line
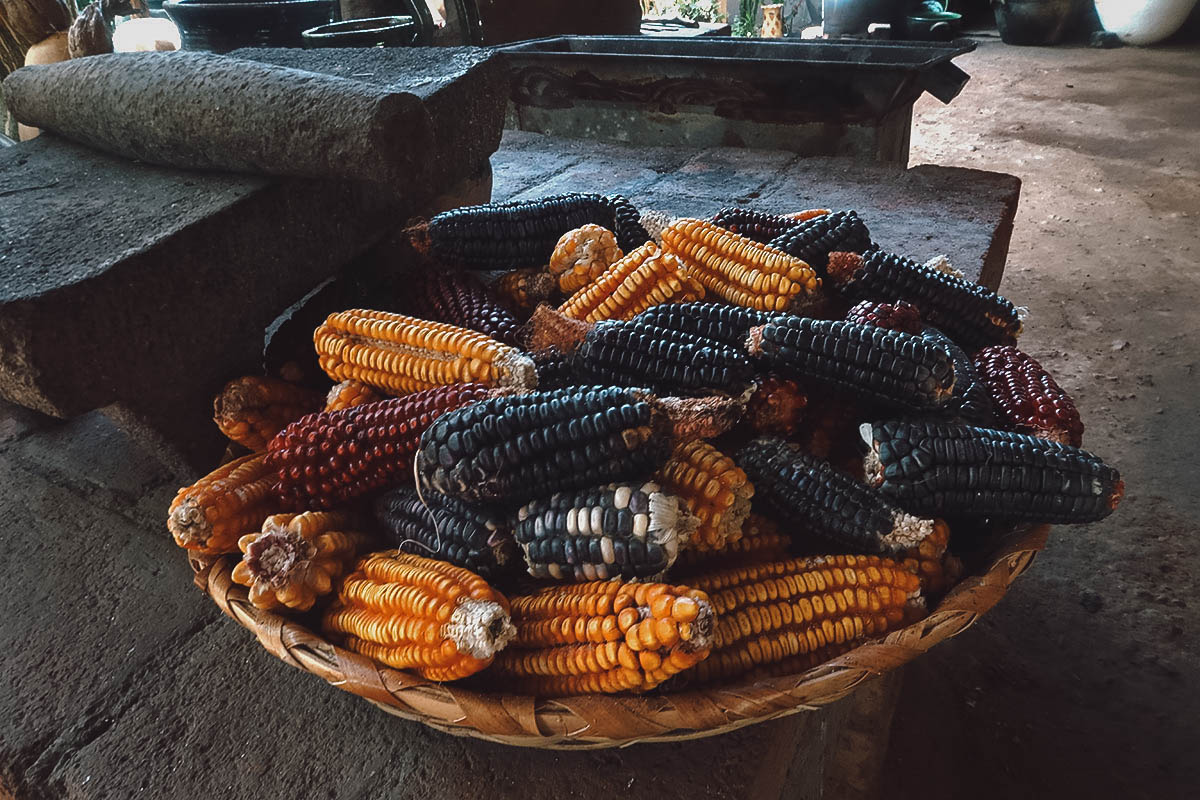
598, 721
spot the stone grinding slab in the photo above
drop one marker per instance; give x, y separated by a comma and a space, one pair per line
204, 111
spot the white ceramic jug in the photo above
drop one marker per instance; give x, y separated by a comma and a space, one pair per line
1143, 21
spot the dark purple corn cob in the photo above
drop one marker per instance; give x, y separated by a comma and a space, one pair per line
901, 316
499, 236
622, 530
813, 240
1027, 397
635, 353
811, 497
459, 299
329, 459
970, 314
949, 469
894, 368
447, 529
757, 225
726, 324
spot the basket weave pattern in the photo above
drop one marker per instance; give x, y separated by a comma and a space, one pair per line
597, 721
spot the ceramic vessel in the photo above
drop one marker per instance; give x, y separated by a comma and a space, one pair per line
1143, 21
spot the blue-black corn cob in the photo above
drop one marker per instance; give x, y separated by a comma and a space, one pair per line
499, 236
726, 324
671, 361
512, 449
893, 368
972, 315
627, 224
813, 240
447, 529
808, 496
621, 530
971, 400
949, 469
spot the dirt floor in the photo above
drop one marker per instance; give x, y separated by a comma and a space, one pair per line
1083, 682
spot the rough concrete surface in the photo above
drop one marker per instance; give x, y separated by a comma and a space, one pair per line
147, 287
119, 679
698, 182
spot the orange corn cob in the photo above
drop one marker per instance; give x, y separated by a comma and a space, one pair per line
582, 255
295, 558
213, 513
411, 612
646, 277
400, 354
603, 637
522, 289
251, 410
348, 394
740, 270
713, 488
761, 540
814, 607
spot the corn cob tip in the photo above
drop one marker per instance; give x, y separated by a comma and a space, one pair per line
754, 340
548, 328
480, 628
273, 555
417, 234
843, 266
699, 417
673, 524
907, 532
517, 372
189, 525
703, 626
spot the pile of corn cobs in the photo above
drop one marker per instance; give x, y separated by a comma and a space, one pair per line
767, 410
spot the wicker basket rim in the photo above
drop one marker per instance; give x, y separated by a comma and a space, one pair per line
600, 721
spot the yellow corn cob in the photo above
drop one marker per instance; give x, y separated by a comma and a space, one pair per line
814, 607
401, 355
603, 637
740, 270
761, 540
646, 277
714, 489
928, 559
214, 512
411, 612
295, 558
522, 289
582, 255
251, 410
348, 394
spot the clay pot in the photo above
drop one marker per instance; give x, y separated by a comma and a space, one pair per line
373, 32
50, 50
1032, 21
514, 20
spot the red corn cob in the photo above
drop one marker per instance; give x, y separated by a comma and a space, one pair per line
1026, 397
776, 407
461, 300
898, 316
327, 459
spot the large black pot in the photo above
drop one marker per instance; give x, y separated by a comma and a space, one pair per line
1032, 21
224, 26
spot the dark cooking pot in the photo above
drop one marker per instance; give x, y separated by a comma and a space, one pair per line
376, 31
224, 26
